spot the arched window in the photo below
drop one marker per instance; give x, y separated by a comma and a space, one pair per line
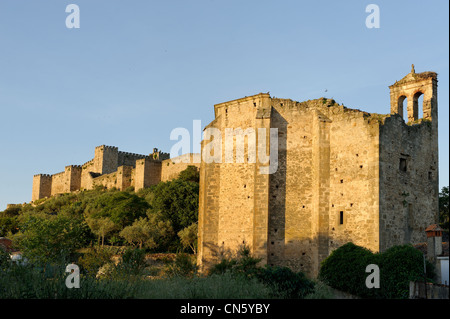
402, 107
418, 105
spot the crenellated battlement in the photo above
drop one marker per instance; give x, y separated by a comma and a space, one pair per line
42, 175
109, 167
59, 174
107, 147
74, 167
88, 163
132, 154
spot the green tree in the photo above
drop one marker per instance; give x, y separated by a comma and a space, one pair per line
139, 233
176, 201
188, 237
51, 239
8, 225
190, 174
443, 208
148, 232
122, 208
101, 227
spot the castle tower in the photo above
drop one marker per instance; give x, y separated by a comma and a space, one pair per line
147, 173
42, 186
106, 159
411, 87
343, 175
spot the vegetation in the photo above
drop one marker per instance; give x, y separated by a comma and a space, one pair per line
345, 270
281, 281
154, 218
142, 245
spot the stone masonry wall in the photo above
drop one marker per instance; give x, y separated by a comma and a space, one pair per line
325, 193
110, 168
171, 168
409, 195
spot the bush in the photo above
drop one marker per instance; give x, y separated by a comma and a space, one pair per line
281, 281
4, 258
93, 260
184, 265
345, 269
51, 239
286, 283
244, 264
132, 263
398, 266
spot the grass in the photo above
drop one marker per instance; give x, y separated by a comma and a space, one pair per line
23, 282
159, 276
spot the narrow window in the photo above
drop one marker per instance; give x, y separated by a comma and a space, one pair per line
430, 176
341, 218
402, 165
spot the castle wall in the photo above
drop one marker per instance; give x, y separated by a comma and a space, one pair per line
59, 183
409, 195
171, 168
147, 173
110, 168
86, 176
73, 177
409, 168
106, 180
291, 188
233, 207
42, 186
327, 164
128, 159
354, 180
106, 159
124, 177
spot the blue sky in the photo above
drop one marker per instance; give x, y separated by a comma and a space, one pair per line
135, 70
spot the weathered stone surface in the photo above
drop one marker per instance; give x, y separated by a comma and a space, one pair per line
112, 168
338, 179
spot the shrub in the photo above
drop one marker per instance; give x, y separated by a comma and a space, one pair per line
51, 239
345, 269
184, 265
190, 174
4, 258
93, 260
244, 264
281, 281
132, 263
285, 283
398, 266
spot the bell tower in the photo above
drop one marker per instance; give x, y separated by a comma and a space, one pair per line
411, 87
